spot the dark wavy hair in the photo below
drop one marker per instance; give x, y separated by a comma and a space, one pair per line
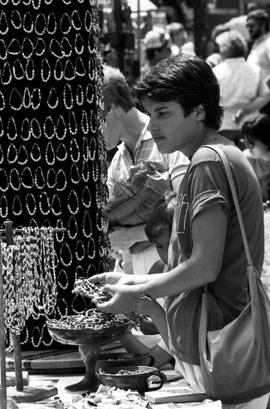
257, 127
185, 79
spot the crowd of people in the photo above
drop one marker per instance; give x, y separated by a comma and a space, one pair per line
192, 240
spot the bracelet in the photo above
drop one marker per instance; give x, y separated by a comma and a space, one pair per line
146, 297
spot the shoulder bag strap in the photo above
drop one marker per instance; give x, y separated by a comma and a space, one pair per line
228, 172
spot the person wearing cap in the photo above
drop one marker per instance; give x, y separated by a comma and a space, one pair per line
157, 46
258, 28
179, 39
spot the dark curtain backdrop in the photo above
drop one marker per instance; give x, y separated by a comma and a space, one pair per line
52, 157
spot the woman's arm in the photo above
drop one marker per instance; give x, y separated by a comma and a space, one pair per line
209, 231
132, 344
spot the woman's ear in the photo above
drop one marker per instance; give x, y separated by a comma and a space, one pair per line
199, 113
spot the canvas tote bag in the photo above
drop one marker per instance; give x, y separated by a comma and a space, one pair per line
235, 360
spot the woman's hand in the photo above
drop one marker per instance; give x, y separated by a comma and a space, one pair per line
125, 298
112, 278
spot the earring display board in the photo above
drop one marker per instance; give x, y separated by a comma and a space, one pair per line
52, 154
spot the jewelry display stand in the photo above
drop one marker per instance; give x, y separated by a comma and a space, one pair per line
21, 393
89, 342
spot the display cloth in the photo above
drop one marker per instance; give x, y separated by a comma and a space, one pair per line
52, 155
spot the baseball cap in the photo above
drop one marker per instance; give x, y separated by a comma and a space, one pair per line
155, 39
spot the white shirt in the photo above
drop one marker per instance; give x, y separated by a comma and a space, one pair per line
240, 82
260, 55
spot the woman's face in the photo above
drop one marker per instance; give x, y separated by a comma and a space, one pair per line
170, 128
162, 241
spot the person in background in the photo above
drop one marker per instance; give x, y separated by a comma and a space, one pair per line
215, 58
158, 231
239, 23
181, 95
258, 28
256, 134
127, 124
156, 47
242, 90
179, 39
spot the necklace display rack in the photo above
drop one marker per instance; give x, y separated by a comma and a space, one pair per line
22, 393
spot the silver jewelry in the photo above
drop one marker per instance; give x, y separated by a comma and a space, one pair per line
50, 154
84, 123
79, 67
86, 197
51, 24
56, 207
56, 49
15, 100
40, 24
76, 20
62, 279
16, 206
58, 71
72, 123
27, 179
74, 150
36, 98
69, 71
79, 95
16, 19
44, 200
28, 22
35, 129
39, 178
61, 180
30, 203
4, 27
14, 179
36, 4
79, 44
26, 100
73, 202
51, 178
88, 21
80, 250
2, 101
4, 184
65, 25
17, 70
22, 155
67, 47
14, 47
27, 48
3, 50
87, 225
74, 174
35, 153
45, 70
6, 76
61, 129
68, 97
3, 207
66, 255
40, 47
12, 153
30, 69
49, 128
72, 228
12, 129
61, 153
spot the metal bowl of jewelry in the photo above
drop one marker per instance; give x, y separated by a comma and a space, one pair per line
109, 360
134, 377
94, 327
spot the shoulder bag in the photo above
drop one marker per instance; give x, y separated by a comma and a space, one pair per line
235, 360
